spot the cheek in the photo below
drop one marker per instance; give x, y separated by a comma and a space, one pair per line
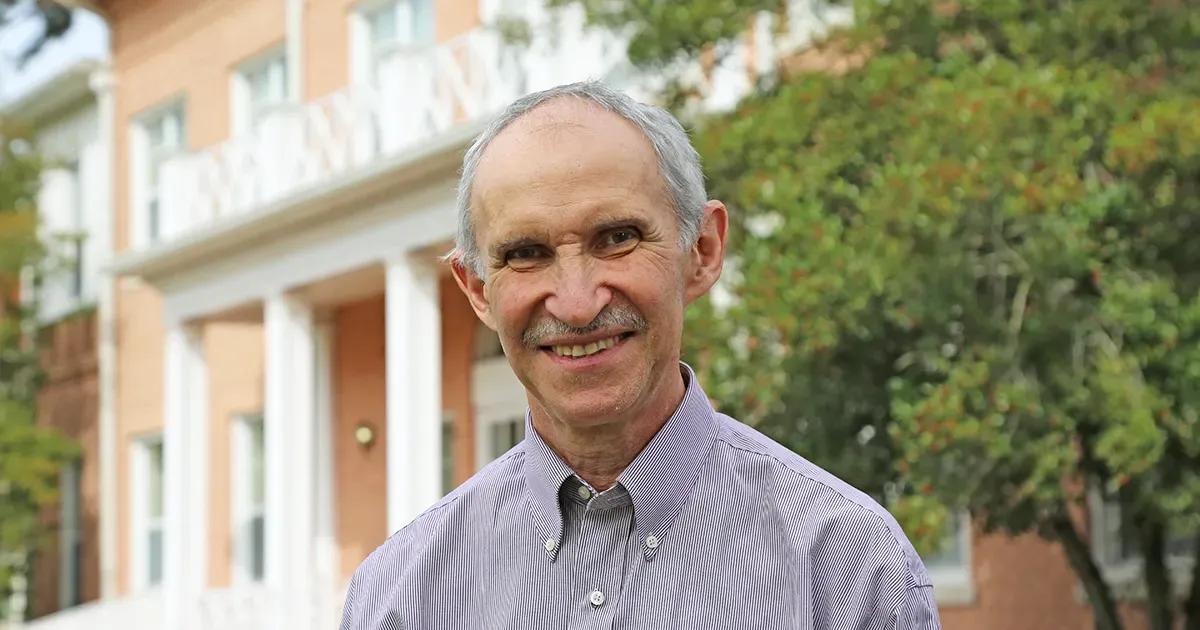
656, 295
511, 307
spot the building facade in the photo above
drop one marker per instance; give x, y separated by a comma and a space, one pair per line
286, 372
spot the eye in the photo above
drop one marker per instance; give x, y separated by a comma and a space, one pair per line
620, 239
523, 257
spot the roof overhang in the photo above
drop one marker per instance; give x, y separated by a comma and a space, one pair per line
66, 89
312, 207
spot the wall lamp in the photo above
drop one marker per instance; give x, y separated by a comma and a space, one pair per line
364, 434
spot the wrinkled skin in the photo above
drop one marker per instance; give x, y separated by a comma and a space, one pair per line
575, 228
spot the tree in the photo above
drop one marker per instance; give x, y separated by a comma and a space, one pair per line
967, 272
30, 456
55, 18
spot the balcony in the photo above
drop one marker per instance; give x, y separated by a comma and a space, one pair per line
423, 95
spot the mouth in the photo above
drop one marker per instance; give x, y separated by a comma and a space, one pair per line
593, 348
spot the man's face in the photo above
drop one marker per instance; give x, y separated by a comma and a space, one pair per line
585, 279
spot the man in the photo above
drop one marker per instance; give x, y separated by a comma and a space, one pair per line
584, 231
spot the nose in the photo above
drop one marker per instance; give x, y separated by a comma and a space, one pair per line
577, 297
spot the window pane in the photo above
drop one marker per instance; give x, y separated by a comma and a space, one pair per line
422, 21
951, 555
382, 25
155, 460
502, 436
257, 547
154, 553
258, 479
447, 456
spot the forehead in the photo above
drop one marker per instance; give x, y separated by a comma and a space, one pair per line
566, 162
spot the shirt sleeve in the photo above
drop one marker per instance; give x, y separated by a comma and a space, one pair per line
918, 611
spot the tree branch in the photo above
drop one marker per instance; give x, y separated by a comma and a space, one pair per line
1191, 609
1099, 593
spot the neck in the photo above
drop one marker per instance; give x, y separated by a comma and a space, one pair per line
599, 453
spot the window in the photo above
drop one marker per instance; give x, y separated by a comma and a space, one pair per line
504, 434
952, 555
447, 453
395, 25
1116, 546
70, 547
147, 478
160, 138
499, 399
950, 567
249, 492
264, 89
78, 231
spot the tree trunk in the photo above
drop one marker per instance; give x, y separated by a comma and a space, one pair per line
1191, 609
1158, 582
1104, 607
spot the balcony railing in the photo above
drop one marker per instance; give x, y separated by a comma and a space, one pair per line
421, 94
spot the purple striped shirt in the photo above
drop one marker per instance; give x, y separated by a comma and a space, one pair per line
713, 525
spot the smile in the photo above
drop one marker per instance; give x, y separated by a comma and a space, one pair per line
587, 350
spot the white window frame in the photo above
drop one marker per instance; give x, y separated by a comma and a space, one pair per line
1125, 573
144, 523
954, 583
498, 397
366, 53
170, 121
70, 532
245, 509
271, 66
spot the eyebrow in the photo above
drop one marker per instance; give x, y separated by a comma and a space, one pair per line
500, 248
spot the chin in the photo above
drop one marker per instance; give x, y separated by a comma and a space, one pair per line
589, 404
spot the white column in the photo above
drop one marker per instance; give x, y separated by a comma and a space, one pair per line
414, 390
185, 478
327, 552
290, 445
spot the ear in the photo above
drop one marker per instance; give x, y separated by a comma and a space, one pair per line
474, 288
707, 256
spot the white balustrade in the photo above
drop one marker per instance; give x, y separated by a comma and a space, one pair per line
422, 93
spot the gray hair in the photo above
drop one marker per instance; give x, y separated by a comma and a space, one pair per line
678, 160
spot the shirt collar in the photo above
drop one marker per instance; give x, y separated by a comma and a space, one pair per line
659, 480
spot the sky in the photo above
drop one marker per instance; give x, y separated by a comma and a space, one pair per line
87, 39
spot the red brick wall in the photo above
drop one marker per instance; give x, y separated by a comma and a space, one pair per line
69, 403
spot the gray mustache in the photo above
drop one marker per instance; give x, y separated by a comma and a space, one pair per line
620, 318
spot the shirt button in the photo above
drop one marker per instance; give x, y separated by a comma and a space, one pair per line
584, 493
597, 598
550, 544
652, 542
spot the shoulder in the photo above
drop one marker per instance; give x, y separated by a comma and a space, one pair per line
828, 521
404, 552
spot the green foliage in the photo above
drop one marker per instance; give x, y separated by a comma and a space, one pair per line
967, 272
30, 456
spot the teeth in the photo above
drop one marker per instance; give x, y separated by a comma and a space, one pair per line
589, 349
